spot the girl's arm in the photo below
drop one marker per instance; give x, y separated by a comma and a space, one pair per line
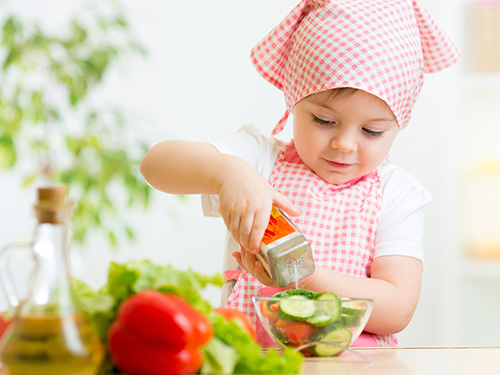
394, 284
245, 197
182, 167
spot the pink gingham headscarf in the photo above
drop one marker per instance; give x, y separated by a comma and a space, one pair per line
383, 47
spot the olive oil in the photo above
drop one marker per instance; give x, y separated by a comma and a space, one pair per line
51, 344
48, 335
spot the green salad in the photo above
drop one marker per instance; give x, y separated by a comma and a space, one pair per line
298, 317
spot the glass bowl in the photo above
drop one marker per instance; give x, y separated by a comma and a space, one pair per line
316, 324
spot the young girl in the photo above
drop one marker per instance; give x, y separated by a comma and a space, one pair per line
351, 71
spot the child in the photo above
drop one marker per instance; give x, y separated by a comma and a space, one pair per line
351, 71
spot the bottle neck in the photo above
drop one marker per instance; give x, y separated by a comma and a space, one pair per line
50, 287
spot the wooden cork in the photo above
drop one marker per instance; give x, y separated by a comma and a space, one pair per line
52, 206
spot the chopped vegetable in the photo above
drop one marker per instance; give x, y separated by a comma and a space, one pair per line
320, 318
297, 307
298, 316
329, 310
296, 292
298, 332
269, 310
334, 333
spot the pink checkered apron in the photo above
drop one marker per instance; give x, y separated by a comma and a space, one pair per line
339, 221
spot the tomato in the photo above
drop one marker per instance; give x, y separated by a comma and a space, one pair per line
135, 356
283, 323
269, 311
298, 332
244, 319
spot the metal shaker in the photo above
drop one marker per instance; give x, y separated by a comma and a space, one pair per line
284, 251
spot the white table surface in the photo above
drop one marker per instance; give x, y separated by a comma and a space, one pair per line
407, 361
410, 361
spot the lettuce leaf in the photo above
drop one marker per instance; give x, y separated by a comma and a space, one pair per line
131, 277
252, 359
219, 358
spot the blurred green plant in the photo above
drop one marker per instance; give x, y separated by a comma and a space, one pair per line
52, 132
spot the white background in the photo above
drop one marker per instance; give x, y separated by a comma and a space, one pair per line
197, 83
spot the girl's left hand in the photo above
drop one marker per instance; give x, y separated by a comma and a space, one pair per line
253, 266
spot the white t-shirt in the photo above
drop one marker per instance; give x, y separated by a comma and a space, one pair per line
401, 224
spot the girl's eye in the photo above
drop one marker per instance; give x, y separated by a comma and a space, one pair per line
321, 121
372, 133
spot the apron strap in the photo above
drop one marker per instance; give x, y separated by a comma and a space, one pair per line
231, 274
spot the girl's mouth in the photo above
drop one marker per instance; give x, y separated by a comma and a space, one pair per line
338, 165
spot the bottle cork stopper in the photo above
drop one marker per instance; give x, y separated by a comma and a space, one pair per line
52, 193
52, 206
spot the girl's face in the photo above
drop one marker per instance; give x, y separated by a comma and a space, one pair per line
344, 136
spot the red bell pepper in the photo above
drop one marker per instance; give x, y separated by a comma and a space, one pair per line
158, 334
4, 323
133, 355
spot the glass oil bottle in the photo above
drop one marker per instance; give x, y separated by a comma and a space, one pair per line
48, 335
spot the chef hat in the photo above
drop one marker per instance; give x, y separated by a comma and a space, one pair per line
383, 47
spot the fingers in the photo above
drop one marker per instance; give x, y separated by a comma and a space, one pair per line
248, 262
245, 259
247, 235
247, 219
248, 228
237, 255
261, 220
286, 205
261, 274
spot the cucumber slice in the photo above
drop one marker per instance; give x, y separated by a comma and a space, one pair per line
328, 309
320, 319
353, 308
351, 321
326, 296
294, 292
297, 307
333, 333
330, 303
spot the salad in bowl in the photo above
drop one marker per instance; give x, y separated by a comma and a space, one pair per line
316, 324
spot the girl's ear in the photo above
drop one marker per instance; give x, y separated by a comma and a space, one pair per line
438, 50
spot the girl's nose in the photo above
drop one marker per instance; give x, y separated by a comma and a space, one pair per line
344, 141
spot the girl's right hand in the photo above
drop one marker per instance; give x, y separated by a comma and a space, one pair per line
245, 204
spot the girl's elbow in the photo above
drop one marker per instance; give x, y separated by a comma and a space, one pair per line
389, 324
401, 323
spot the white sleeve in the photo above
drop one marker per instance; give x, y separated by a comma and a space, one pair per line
401, 224
250, 145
